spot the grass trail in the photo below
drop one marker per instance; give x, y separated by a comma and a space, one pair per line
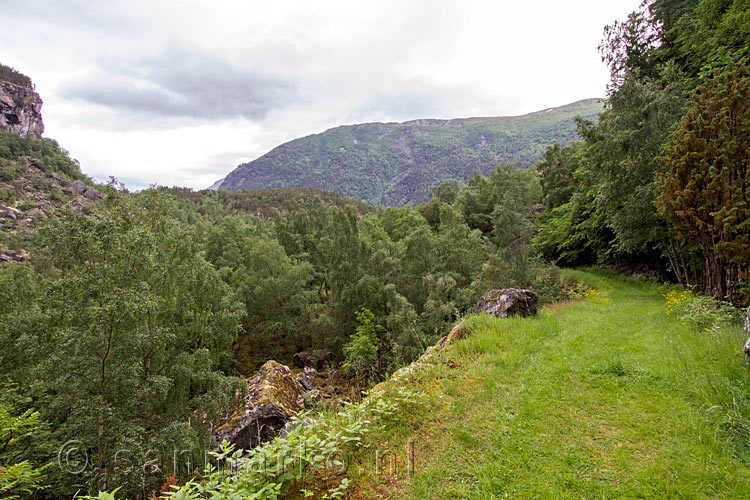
603, 398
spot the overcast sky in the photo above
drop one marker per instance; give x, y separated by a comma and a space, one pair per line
181, 92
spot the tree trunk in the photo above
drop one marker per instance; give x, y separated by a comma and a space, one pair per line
100, 432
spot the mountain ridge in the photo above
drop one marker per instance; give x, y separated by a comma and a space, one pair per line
399, 163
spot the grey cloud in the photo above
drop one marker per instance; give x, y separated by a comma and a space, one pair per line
400, 106
83, 14
184, 85
419, 98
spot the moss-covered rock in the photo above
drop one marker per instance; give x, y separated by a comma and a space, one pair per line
507, 302
274, 395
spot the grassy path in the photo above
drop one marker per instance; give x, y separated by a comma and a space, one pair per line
604, 398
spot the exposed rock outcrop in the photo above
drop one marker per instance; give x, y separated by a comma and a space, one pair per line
13, 256
273, 397
320, 359
507, 302
79, 188
20, 110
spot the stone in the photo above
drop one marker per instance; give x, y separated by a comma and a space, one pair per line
36, 212
320, 359
507, 302
92, 194
307, 378
77, 187
537, 208
12, 213
273, 397
13, 256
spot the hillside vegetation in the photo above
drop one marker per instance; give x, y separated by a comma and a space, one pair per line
9, 74
396, 164
36, 177
139, 311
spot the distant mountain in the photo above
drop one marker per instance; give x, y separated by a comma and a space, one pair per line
397, 164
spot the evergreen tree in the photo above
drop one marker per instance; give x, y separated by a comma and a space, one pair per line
705, 188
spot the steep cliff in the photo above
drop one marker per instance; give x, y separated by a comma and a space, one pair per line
20, 105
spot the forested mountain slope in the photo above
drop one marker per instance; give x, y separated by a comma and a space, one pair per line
398, 164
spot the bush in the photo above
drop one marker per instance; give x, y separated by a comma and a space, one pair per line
7, 195
704, 311
8, 172
38, 182
362, 350
26, 205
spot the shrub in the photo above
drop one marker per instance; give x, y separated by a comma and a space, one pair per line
362, 350
704, 311
7, 195
8, 172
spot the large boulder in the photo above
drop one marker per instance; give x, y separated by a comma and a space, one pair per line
273, 397
320, 359
79, 188
507, 302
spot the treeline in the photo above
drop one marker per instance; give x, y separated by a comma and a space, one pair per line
9, 74
663, 178
264, 203
129, 331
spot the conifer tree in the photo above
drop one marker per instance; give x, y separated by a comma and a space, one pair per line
705, 187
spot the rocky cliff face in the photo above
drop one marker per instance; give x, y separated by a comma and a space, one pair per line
20, 110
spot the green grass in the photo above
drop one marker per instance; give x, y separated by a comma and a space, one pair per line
590, 399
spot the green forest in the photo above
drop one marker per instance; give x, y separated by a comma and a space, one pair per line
130, 329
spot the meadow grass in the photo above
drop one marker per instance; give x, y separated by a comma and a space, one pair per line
606, 397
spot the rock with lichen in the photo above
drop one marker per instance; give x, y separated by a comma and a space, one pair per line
507, 302
274, 395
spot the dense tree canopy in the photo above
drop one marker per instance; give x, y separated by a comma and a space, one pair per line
601, 194
705, 186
